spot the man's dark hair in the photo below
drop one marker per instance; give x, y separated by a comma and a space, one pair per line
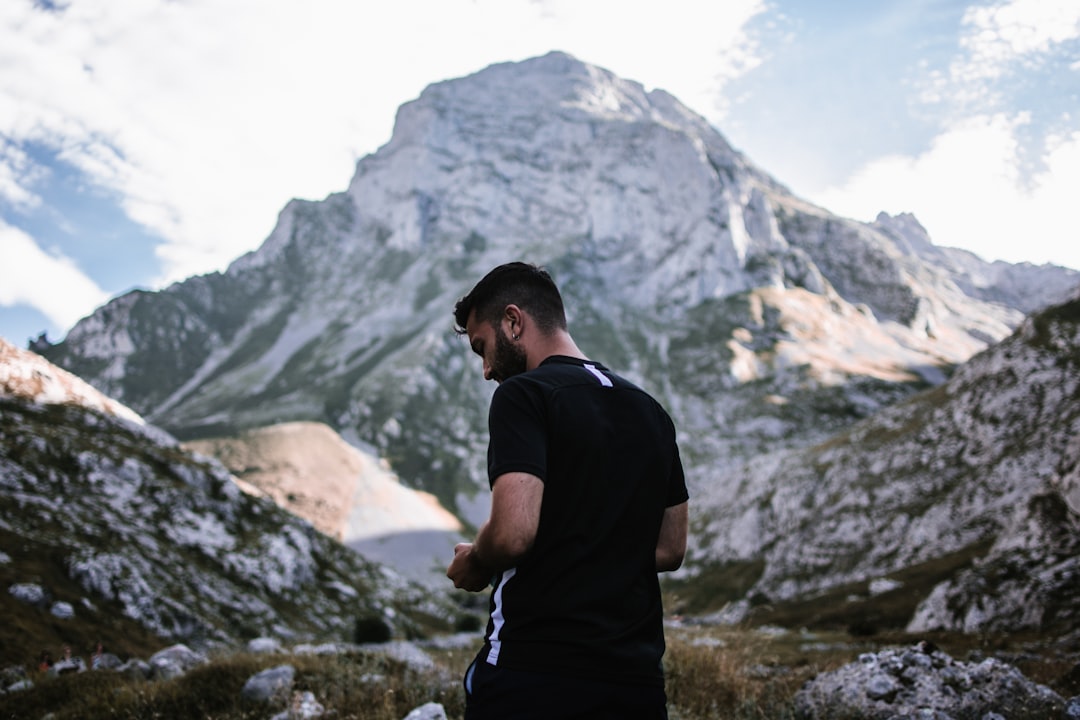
527, 286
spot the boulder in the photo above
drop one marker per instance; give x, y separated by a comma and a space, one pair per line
273, 684
19, 686
30, 594
405, 652
180, 655
136, 669
68, 665
13, 679
924, 682
62, 610
430, 711
107, 661
174, 661
264, 645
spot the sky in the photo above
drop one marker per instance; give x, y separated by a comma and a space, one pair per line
146, 141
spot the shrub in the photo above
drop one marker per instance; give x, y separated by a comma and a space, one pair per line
371, 629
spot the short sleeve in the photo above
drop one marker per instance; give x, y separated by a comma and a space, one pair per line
677, 493
517, 423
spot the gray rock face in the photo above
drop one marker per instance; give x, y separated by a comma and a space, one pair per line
766, 325
923, 682
684, 265
169, 535
983, 466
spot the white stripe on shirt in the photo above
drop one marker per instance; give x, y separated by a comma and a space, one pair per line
497, 618
604, 379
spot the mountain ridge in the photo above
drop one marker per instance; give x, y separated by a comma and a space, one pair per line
764, 323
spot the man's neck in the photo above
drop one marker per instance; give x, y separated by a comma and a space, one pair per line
559, 343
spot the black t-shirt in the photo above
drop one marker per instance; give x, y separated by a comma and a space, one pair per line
585, 600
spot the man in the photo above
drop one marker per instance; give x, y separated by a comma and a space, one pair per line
588, 504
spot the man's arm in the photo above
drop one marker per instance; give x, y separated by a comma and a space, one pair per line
506, 536
671, 544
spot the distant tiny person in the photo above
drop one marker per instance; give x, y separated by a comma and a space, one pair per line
45, 661
98, 657
588, 504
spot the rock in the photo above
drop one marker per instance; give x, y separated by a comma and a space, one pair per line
62, 610
135, 669
70, 665
269, 685
13, 679
430, 711
882, 687
323, 649
924, 682
21, 685
29, 593
1072, 709
166, 670
180, 655
264, 645
304, 706
405, 652
13, 674
107, 661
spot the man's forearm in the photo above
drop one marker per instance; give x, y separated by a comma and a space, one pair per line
497, 552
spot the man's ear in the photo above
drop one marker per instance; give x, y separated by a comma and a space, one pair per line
514, 316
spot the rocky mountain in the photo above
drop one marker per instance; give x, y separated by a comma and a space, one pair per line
685, 266
961, 505
104, 516
765, 324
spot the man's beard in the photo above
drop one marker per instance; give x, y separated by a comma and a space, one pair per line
509, 358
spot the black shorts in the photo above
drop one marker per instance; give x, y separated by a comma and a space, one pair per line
497, 693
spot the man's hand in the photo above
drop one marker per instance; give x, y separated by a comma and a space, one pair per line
466, 570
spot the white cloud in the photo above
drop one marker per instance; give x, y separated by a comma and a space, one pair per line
967, 191
16, 176
999, 40
207, 116
997, 35
52, 284
1000, 178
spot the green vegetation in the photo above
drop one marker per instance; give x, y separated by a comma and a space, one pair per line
853, 609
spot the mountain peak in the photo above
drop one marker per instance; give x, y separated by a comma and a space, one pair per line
524, 96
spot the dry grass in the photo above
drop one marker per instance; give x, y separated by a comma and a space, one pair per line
713, 674
724, 674
353, 686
